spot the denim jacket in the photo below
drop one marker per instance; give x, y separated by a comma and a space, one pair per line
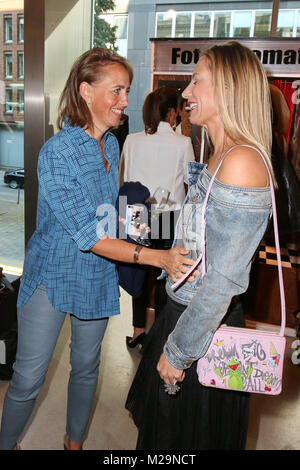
236, 220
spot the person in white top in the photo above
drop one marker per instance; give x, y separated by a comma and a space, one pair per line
156, 157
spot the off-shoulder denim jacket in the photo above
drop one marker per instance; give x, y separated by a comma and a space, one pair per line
236, 220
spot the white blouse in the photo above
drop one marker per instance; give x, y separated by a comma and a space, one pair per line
159, 160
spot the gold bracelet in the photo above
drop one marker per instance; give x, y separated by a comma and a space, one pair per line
136, 253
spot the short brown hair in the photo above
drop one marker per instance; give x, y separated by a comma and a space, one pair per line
87, 68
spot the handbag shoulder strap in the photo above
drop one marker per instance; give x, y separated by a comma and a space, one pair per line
202, 254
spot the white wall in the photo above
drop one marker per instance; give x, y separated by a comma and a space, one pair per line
68, 26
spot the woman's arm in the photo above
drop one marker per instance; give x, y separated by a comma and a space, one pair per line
173, 260
64, 194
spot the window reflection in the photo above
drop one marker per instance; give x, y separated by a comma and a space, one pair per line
222, 24
164, 25
12, 136
242, 24
202, 25
262, 25
183, 25
285, 23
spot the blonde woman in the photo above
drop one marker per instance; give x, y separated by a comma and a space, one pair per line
229, 95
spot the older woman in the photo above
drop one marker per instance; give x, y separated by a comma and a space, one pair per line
229, 95
67, 267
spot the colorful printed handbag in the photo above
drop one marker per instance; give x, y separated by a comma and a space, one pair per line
244, 359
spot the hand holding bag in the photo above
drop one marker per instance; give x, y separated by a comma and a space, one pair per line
244, 359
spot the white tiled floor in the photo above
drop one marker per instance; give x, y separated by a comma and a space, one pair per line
274, 421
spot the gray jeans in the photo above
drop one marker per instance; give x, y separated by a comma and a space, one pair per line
39, 325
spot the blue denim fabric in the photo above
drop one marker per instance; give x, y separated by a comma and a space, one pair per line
73, 184
236, 220
39, 325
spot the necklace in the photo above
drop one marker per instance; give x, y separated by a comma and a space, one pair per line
101, 132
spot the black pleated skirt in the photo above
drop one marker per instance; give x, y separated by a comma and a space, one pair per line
197, 417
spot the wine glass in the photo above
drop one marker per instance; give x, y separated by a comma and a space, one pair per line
161, 196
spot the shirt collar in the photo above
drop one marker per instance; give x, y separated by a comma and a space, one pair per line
164, 127
80, 135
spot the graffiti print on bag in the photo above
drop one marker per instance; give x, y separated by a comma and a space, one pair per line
239, 360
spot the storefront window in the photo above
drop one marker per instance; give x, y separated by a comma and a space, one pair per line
164, 25
222, 24
298, 25
183, 25
262, 26
242, 24
202, 25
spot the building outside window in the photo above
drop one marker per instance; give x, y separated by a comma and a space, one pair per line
20, 65
8, 65
21, 101
21, 29
8, 29
9, 101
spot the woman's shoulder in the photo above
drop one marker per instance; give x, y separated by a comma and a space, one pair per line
136, 135
244, 166
53, 142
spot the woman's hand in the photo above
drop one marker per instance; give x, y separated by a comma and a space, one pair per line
167, 372
177, 264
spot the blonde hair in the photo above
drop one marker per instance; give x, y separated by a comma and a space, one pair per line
242, 96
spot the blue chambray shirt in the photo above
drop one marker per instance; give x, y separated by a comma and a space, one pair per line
73, 183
